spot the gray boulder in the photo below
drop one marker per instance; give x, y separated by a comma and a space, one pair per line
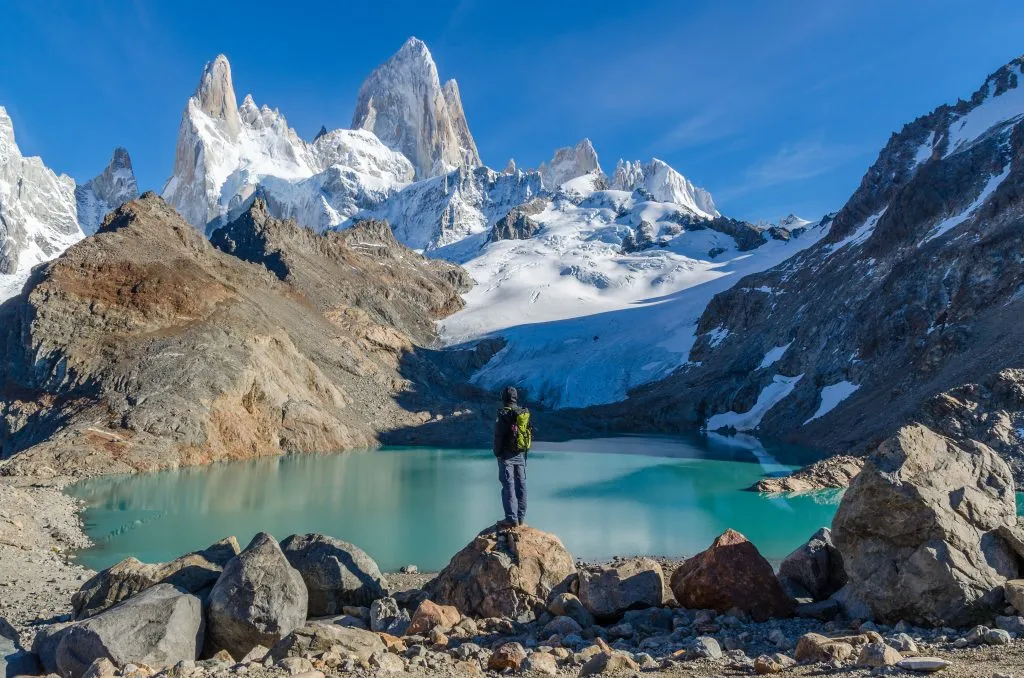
14, 660
918, 531
387, 617
158, 627
337, 574
195, 572
315, 637
815, 569
607, 592
566, 604
258, 600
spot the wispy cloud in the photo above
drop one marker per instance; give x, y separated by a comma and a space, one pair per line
793, 162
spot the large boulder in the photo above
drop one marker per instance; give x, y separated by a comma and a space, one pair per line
607, 592
315, 638
918, 531
194, 572
258, 600
337, 574
731, 574
158, 627
507, 574
815, 569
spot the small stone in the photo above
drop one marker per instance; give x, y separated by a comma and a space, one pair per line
764, 665
706, 646
923, 664
387, 616
779, 639
507, 656
904, 643
387, 662
295, 665
256, 655
604, 662
621, 631
1011, 623
997, 637
562, 626
467, 668
568, 605
540, 662
409, 569
976, 635
878, 654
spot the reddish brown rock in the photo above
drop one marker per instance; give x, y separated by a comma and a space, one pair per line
731, 574
430, 615
507, 656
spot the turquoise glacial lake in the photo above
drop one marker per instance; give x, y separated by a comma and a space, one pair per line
613, 496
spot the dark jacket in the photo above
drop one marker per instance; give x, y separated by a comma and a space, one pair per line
503, 431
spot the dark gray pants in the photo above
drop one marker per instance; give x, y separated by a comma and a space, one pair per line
512, 474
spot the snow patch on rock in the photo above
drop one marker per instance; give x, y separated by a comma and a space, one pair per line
770, 396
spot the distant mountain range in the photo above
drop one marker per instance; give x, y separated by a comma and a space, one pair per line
629, 291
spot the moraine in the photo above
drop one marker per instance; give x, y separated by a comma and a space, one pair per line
605, 497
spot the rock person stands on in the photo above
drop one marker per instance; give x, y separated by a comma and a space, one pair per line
513, 435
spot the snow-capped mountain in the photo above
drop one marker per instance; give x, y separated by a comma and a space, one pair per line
38, 218
448, 214
225, 154
569, 163
908, 309
103, 194
404, 104
43, 213
602, 290
664, 184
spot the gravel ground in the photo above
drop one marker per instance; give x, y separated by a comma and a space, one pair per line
39, 527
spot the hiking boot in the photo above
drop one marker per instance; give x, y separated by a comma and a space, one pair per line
506, 524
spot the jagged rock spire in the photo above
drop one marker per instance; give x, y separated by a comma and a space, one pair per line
403, 103
215, 94
106, 192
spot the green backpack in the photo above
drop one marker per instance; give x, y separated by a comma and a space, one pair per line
522, 434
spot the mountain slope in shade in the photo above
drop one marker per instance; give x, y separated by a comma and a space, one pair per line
226, 154
915, 292
103, 194
404, 104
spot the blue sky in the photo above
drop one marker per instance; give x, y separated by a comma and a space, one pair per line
774, 106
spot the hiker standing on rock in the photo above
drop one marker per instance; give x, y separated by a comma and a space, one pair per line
513, 434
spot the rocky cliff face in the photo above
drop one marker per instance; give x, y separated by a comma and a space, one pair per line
147, 347
103, 194
914, 291
403, 103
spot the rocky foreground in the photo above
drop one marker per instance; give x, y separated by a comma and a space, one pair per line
919, 573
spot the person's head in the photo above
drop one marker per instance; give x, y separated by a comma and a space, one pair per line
509, 395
